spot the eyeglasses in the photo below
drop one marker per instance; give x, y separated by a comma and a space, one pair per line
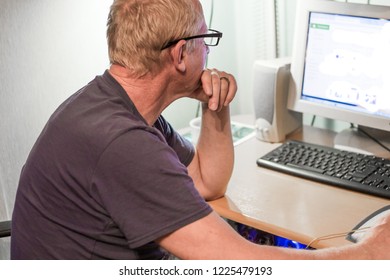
210, 39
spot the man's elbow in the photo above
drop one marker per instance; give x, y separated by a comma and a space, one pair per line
215, 193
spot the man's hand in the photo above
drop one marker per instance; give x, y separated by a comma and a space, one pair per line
377, 240
217, 89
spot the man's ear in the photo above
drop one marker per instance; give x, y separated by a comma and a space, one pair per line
179, 53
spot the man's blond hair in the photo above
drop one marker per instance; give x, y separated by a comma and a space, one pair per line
138, 29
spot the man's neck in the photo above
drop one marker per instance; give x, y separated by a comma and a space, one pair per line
148, 93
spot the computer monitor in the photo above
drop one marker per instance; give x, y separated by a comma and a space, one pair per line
340, 67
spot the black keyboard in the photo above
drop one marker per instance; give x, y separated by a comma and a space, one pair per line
363, 173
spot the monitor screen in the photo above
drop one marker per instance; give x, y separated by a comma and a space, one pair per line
340, 63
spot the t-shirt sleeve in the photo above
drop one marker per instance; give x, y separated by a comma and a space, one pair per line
145, 188
184, 149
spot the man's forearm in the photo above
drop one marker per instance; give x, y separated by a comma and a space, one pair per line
215, 150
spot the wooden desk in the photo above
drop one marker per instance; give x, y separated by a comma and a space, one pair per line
289, 206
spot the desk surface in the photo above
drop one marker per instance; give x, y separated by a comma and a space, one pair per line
289, 206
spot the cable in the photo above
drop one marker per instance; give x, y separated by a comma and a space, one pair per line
210, 23
335, 235
313, 120
276, 8
211, 14
372, 138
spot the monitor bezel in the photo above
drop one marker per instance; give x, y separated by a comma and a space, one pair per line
295, 103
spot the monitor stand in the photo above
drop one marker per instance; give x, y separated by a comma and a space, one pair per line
355, 140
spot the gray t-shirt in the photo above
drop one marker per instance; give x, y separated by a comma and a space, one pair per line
100, 183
